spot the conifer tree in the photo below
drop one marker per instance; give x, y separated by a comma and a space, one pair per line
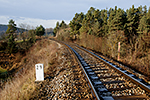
148, 16
63, 24
117, 22
97, 16
110, 20
89, 19
145, 10
80, 18
11, 47
84, 28
132, 22
11, 27
56, 28
32, 35
96, 29
40, 30
76, 24
104, 17
91, 10
144, 25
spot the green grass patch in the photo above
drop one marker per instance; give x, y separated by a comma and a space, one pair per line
3, 72
19, 41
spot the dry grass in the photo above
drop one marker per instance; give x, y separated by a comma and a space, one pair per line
130, 54
91, 42
20, 87
23, 84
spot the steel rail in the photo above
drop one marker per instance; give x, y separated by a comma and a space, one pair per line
82, 64
138, 81
90, 83
86, 68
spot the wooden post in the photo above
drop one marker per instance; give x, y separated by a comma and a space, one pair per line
118, 51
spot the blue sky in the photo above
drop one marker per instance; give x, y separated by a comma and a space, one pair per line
48, 12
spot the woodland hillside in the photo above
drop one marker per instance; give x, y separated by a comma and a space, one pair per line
3, 29
102, 30
14, 44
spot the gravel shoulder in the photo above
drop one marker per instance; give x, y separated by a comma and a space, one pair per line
63, 80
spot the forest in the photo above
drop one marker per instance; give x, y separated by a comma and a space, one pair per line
102, 30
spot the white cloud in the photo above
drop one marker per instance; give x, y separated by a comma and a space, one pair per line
31, 21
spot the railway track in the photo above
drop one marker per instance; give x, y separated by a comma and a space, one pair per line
108, 81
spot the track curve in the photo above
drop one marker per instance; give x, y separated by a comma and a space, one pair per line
107, 80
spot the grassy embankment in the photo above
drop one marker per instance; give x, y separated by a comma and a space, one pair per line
22, 85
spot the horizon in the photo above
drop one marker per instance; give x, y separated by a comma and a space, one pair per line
50, 12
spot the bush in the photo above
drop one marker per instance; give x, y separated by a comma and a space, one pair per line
3, 45
64, 35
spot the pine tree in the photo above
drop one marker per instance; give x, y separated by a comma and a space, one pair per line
32, 35
11, 44
76, 24
144, 25
56, 28
117, 22
91, 10
140, 12
110, 20
84, 28
11, 27
89, 19
104, 27
80, 18
97, 31
63, 25
11, 47
40, 30
132, 22
97, 16
148, 16
145, 10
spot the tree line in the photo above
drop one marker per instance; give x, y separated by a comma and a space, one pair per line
133, 21
101, 23
101, 30
21, 38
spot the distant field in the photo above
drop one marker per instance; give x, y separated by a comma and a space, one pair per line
3, 27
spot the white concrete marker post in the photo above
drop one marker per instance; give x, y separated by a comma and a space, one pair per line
39, 72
